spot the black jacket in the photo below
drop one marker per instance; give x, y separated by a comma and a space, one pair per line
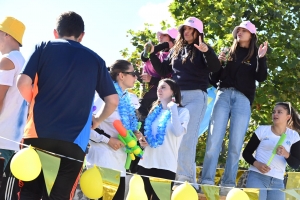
188, 75
241, 75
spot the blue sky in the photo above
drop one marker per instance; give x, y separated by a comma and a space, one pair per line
106, 21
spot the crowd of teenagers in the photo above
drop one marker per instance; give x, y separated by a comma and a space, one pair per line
48, 101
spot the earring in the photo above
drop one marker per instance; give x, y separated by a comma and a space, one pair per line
173, 99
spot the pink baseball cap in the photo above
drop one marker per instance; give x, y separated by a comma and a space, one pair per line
247, 25
194, 23
172, 32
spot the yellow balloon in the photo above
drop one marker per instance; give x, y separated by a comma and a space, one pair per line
91, 183
26, 164
136, 189
184, 191
237, 194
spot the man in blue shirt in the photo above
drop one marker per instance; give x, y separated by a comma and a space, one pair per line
59, 81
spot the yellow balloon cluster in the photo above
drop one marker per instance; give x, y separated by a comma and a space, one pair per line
237, 194
136, 189
184, 191
26, 164
91, 183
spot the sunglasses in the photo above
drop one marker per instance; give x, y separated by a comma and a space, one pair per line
131, 73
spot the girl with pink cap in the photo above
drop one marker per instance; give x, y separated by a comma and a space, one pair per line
241, 68
166, 41
190, 61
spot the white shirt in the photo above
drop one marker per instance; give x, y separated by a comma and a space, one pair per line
165, 156
268, 141
100, 153
14, 111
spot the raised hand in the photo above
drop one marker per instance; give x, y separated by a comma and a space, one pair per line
222, 56
171, 104
152, 47
262, 49
145, 77
202, 46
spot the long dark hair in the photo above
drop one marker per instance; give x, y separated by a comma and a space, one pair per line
252, 48
117, 67
294, 121
176, 93
180, 42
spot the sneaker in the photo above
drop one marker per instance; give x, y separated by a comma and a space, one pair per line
200, 190
224, 190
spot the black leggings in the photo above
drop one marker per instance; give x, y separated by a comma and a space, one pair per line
121, 190
159, 173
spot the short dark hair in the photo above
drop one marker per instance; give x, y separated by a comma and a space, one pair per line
69, 24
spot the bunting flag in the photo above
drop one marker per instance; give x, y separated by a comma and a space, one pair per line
111, 182
211, 97
292, 182
291, 194
50, 166
252, 193
211, 192
161, 187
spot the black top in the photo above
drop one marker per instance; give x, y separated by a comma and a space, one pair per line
188, 75
293, 160
154, 80
157, 48
241, 75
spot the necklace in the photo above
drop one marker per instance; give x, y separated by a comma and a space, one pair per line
158, 139
126, 109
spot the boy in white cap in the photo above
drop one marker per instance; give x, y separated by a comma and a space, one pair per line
13, 108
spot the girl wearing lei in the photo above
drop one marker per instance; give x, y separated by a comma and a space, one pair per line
106, 150
164, 128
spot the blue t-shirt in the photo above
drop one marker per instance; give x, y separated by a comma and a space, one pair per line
65, 76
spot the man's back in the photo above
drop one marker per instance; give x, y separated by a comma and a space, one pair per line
65, 75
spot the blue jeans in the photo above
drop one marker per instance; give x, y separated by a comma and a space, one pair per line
257, 180
230, 104
196, 102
